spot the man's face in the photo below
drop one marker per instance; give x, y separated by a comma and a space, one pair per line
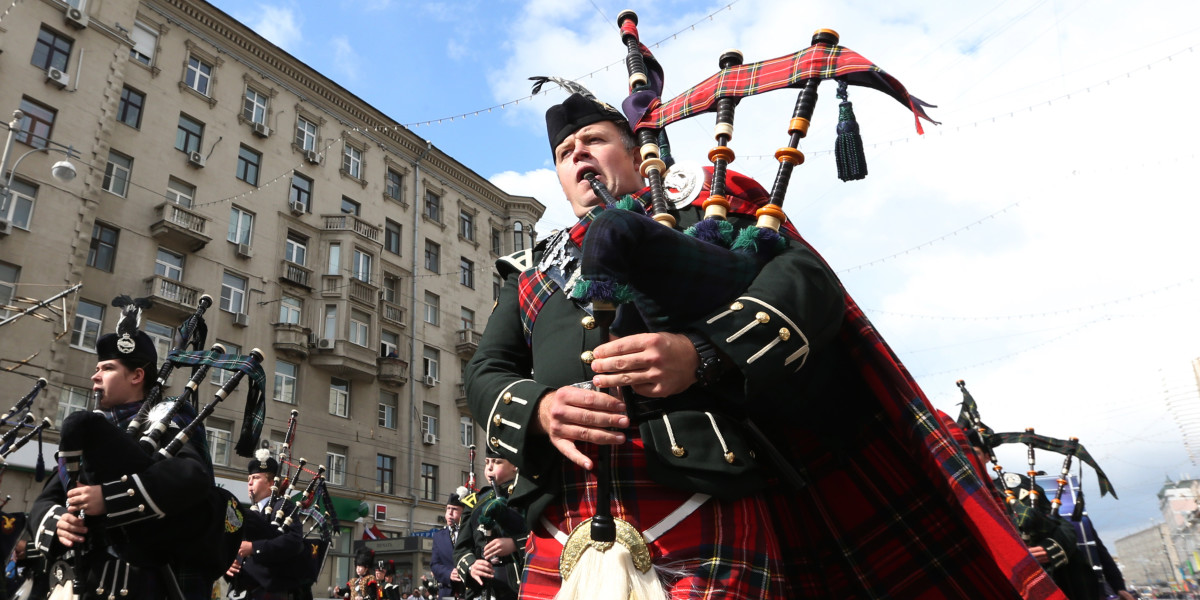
453, 514
118, 384
597, 148
259, 485
379, 574
499, 470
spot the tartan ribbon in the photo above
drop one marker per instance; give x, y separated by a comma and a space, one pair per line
536, 285
254, 414
1056, 445
819, 61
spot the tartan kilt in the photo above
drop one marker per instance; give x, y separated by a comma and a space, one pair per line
726, 550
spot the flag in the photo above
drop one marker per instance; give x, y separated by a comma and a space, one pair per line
373, 533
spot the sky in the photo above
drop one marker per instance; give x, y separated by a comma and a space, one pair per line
1039, 244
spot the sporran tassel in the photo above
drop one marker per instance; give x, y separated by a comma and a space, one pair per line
851, 160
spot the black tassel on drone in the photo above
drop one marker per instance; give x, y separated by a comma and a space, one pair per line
39, 471
851, 160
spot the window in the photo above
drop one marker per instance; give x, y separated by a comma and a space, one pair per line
391, 284
88, 317
233, 293
352, 161
433, 256
393, 186
433, 206
254, 107
306, 134
220, 376
432, 310
198, 75
247, 165
36, 124
330, 322
241, 226
466, 225
129, 111
189, 134
162, 336
391, 237
496, 238
169, 265
117, 172
335, 259
360, 324
52, 50
72, 400
145, 42
290, 309
339, 397
103, 248
17, 207
362, 265
385, 474
350, 207
335, 464
389, 344
388, 403
180, 193
285, 381
9, 274
466, 431
430, 359
295, 249
468, 319
497, 283
220, 438
301, 195
429, 475
518, 237
466, 272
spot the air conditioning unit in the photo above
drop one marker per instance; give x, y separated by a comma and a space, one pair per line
245, 251
261, 130
430, 380
57, 77
76, 18
429, 439
312, 156
195, 159
241, 319
324, 344
296, 206
6, 227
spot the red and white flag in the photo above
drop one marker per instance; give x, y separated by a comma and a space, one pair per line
373, 533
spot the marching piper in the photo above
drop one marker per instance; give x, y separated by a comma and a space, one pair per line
270, 561
450, 584
489, 553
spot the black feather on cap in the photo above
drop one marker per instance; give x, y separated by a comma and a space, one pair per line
364, 557
579, 110
128, 344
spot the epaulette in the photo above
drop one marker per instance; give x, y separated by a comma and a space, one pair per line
469, 500
517, 262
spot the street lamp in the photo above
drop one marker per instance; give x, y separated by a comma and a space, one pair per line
62, 170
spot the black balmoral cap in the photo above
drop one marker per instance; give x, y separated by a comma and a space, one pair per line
575, 113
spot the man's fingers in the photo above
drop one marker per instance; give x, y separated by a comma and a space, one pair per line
570, 452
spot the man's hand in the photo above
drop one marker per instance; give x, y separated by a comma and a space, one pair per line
656, 365
234, 568
499, 547
245, 549
1125, 595
571, 414
454, 576
481, 569
1039, 553
88, 498
70, 529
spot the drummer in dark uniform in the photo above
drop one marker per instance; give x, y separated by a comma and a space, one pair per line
270, 560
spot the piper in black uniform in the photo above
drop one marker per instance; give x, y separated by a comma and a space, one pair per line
269, 560
489, 553
363, 586
124, 545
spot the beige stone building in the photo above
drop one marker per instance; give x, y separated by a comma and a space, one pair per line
354, 254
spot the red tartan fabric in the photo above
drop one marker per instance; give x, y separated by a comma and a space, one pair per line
729, 549
820, 61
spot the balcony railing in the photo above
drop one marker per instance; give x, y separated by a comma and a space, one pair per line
393, 370
364, 292
291, 339
351, 223
180, 225
297, 274
468, 342
394, 313
460, 398
172, 294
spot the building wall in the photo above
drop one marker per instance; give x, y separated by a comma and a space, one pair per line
52, 250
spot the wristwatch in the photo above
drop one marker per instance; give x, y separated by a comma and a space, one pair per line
712, 366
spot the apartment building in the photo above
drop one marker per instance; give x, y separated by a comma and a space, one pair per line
354, 254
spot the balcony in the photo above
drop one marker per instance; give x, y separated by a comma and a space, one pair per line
346, 360
177, 226
344, 222
393, 371
468, 342
460, 398
291, 339
394, 313
171, 294
294, 273
364, 292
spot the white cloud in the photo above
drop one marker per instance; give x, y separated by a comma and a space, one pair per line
543, 185
345, 59
279, 25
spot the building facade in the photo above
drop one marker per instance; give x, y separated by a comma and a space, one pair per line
353, 253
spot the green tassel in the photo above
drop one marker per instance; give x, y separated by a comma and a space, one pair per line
747, 239
628, 203
581, 289
848, 150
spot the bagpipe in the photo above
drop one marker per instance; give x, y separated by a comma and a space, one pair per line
20, 417
743, 228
